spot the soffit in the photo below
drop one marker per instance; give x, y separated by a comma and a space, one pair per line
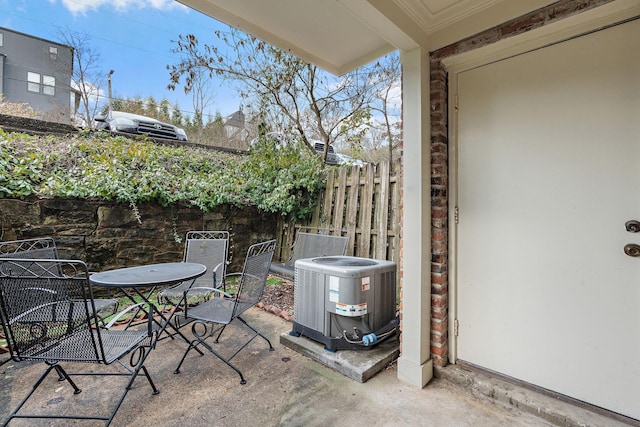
340, 35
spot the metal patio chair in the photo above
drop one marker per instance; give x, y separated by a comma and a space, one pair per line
210, 248
310, 245
45, 248
49, 315
212, 317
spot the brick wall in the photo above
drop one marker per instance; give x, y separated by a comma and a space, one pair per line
439, 153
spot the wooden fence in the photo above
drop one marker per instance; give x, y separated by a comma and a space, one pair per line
362, 203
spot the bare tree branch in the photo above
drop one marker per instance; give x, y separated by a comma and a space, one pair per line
87, 75
314, 103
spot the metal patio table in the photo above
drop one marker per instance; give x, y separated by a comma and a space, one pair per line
132, 280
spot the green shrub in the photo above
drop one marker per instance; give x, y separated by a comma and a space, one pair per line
116, 168
284, 179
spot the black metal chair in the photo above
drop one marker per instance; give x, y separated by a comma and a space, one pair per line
49, 315
310, 244
45, 248
212, 317
210, 248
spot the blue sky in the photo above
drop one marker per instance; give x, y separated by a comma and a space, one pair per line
133, 37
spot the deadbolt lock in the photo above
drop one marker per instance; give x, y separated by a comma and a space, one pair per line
632, 226
632, 250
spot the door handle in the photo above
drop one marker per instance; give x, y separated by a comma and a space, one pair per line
632, 226
632, 250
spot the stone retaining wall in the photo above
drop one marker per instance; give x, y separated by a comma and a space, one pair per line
109, 235
25, 124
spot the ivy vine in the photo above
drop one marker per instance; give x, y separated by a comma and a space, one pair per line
284, 180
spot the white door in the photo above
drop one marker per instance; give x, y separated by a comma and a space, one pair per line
549, 172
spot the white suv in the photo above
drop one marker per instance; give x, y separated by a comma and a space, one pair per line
135, 124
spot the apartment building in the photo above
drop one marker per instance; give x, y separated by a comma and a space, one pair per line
37, 72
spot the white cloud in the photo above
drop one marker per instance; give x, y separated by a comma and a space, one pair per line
95, 94
81, 7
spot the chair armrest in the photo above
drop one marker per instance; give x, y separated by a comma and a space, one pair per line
241, 274
152, 334
207, 289
119, 315
234, 274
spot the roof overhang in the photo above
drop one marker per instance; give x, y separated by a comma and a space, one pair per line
341, 35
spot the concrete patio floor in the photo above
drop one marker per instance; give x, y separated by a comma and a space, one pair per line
284, 388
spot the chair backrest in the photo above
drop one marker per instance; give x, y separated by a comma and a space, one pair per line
311, 245
38, 248
27, 249
254, 275
41, 248
210, 248
44, 302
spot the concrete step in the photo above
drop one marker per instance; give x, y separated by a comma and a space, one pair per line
359, 365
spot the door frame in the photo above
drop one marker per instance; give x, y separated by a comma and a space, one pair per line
611, 14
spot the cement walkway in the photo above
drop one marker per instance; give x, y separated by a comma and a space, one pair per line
283, 388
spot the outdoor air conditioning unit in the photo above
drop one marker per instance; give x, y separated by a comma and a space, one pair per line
345, 302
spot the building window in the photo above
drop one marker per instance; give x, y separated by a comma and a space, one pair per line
33, 82
48, 85
1, 39
53, 53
